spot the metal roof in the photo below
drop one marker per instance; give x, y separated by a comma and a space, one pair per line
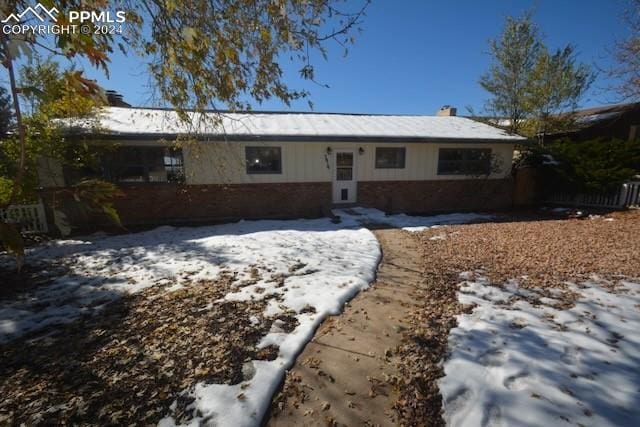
145, 123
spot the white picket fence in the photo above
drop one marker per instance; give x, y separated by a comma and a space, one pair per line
30, 218
627, 196
632, 197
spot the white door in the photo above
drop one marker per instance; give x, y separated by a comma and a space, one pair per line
344, 177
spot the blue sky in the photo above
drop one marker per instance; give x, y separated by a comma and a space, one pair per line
414, 56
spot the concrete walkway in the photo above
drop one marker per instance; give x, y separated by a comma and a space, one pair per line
343, 375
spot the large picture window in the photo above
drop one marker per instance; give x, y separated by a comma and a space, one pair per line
390, 157
263, 160
464, 161
143, 164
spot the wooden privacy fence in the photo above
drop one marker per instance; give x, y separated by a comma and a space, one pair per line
628, 195
30, 218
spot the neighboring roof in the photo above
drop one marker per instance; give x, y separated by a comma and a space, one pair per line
583, 118
593, 115
143, 123
115, 99
607, 109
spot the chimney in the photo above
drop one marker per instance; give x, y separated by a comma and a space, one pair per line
446, 110
115, 99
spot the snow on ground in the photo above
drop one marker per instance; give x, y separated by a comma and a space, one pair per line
408, 222
513, 363
102, 268
323, 264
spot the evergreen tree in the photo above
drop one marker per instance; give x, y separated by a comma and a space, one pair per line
593, 165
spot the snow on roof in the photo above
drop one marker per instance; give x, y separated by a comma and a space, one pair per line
142, 122
592, 118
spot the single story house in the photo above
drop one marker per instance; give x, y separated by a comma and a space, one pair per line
285, 165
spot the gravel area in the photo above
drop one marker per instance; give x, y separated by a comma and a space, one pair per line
546, 252
540, 254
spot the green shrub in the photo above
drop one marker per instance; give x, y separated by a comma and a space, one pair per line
596, 165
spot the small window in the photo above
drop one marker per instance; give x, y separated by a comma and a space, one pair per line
464, 161
390, 157
263, 160
174, 165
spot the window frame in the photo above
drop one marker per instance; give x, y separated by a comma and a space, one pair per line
463, 161
404, 157
177, 167
264, 147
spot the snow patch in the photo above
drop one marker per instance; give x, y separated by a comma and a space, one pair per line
409, 222
101, 269
513, 361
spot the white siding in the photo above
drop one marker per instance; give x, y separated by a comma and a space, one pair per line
220, 163
224, 162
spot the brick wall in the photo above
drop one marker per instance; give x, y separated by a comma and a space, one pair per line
436, 196
153, 204
173, 203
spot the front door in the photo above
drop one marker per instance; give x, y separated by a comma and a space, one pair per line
344, 177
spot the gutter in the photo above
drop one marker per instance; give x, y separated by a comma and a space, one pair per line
296, 138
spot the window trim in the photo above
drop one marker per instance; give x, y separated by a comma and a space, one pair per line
178, 154
259, 147
404, 158
441, 149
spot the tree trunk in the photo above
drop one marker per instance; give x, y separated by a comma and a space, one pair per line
8, 63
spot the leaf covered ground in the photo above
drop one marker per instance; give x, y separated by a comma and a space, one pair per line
129, 364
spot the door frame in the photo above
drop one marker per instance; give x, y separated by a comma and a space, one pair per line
353, 184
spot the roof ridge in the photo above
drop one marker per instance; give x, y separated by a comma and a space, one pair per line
190, 110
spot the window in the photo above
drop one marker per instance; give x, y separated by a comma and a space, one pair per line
464, 161
144, 164
634, 132
174, 165
263, 160
390, 157
344, 166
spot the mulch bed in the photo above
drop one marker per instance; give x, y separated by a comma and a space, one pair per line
128, 364
539, 254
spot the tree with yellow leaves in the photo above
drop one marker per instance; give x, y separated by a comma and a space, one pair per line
200, 54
